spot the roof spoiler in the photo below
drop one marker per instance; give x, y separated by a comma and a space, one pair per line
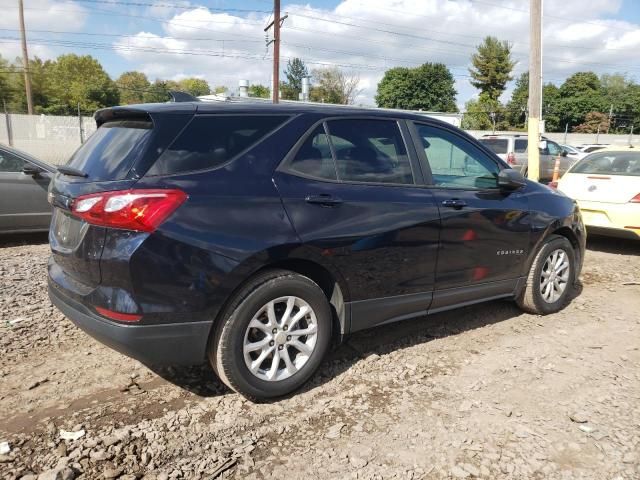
177, 96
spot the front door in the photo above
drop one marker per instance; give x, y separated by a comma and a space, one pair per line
351, 190
23, 197
485, 231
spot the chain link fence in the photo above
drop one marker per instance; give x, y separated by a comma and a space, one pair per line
50, 138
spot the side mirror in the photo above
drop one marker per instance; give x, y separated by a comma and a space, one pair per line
509, 179
564, 153
30, 169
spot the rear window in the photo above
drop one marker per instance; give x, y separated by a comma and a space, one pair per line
210, 141
110, 152
610, 163
496, 145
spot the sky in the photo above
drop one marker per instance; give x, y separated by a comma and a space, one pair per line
223, 41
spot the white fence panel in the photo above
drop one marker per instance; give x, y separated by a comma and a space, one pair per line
52, 139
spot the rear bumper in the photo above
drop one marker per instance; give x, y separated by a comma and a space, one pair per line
613, 219
165, 344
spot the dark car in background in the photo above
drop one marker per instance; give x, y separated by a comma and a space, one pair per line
24, 181
252, 234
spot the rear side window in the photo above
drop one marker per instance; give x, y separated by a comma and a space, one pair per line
610, 163
314, 158
521, 145
371, 151
496, 145
110, 152
210, 141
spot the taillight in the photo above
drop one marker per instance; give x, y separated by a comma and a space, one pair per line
511, 158
139, 210
635, 199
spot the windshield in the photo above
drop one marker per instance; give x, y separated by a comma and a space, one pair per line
110, 152
496, 145
610, 163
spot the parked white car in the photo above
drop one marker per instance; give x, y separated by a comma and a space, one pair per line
606, 185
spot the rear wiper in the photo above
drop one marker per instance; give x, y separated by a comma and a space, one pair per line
74, 172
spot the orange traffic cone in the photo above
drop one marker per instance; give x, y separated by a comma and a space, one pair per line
556, 170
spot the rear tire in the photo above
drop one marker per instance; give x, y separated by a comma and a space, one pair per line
550, 279
278, 316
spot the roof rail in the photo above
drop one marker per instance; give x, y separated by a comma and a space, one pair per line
177, 96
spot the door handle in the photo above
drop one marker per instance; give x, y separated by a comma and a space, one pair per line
454, 203
324, 200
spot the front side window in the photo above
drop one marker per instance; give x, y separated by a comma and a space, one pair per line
369, 150
314, 158
209, 141
455, 162
10, 162
553, 149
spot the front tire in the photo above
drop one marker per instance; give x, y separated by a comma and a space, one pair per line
550, 279
273, 336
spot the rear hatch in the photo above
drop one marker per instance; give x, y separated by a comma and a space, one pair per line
605, 177
499, 146
124, 146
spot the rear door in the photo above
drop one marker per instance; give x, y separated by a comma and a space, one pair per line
351, 188
23, 196
485, 231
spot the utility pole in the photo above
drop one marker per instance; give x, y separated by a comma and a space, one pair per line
275, 91
25, 59
535, 87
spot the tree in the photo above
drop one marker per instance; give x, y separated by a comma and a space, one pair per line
6, 83
551, 110
132, 86
594, 122
485, 113
194, 86
158, 91
579, 94
295, 71
427, 87
492, 66
518, 105
79, 82
332, 85
259, 91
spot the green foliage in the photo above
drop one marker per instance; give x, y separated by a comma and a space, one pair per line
481, 114
492, 67
132, 86
79, 82
295, 71
194, 86
594, 122
259, 91
332, 85
158, 91
551, 109
427, 87
518, 105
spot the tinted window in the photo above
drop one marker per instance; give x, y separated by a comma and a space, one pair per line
314, 157
496, 145
210, 141
10, 162
370, 151
610, 163
109, 153
455, 162
521, 145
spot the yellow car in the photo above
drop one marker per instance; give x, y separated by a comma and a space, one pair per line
606, 185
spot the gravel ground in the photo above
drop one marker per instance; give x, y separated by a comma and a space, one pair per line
485, 391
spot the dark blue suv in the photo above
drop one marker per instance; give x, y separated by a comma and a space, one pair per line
252, 234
